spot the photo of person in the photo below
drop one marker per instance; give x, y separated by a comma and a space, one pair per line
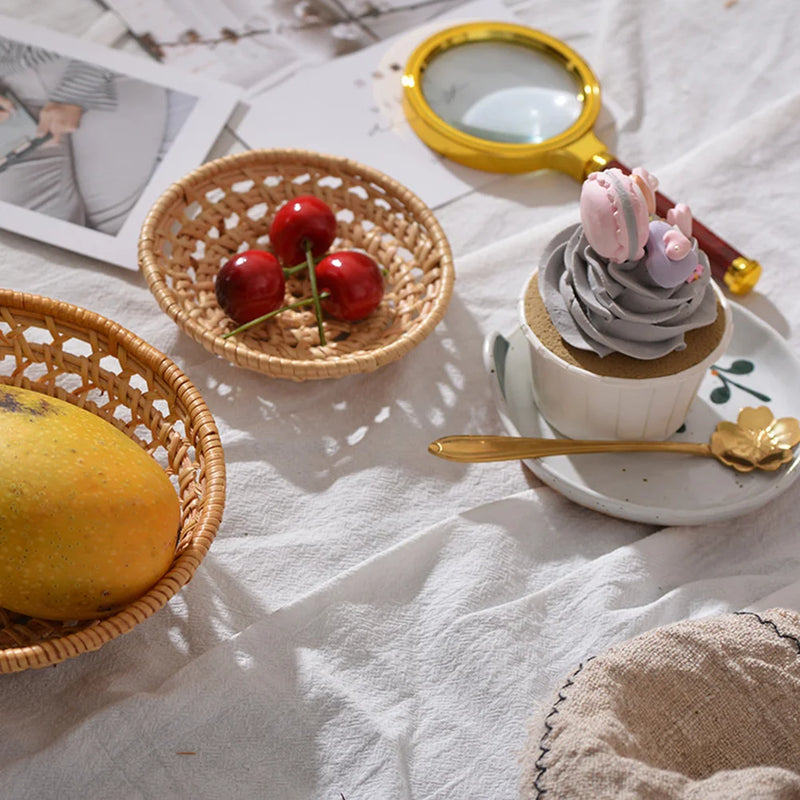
99, 135
90, 137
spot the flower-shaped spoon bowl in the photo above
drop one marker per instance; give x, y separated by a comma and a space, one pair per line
755, 441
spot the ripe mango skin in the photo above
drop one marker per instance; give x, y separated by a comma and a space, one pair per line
88, 519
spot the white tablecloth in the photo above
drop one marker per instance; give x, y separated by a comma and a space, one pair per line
372, 622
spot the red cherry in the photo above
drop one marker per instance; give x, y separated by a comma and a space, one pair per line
250, 285
355, 284
304, 219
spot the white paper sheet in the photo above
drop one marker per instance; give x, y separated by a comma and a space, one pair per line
352, 107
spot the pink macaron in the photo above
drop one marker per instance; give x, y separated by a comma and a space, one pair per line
615, 216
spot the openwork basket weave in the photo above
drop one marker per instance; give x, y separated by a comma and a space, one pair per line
226, 206
81, 357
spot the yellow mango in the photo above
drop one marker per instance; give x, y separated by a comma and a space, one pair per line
88, 519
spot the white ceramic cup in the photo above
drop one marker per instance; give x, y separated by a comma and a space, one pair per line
582, 405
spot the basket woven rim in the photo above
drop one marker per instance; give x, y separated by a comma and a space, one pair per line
276, 366
102, 631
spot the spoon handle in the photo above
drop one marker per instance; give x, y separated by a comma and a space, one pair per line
477, 449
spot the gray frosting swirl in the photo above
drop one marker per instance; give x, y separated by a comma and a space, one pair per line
605, 307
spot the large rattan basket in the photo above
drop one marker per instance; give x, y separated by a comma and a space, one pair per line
226, 206
83, 358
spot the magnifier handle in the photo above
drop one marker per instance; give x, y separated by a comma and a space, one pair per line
728, 265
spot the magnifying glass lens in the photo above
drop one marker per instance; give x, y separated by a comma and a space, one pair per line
503, 92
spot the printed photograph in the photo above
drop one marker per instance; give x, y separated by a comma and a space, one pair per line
87, 144
80, 142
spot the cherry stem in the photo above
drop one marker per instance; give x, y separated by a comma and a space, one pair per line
287, 271
264, 317
312, 274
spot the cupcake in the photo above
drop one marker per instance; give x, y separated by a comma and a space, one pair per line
622, 317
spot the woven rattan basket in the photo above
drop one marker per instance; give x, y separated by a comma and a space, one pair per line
79, 356
226, 206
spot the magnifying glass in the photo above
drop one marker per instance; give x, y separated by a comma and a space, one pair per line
502, 97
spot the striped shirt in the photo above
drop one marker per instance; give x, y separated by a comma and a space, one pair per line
83, 84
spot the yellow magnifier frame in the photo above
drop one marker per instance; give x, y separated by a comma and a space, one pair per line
576, 151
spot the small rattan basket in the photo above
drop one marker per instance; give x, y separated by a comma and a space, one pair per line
227, 205
81, 357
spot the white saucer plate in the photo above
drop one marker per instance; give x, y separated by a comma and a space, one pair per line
664, 488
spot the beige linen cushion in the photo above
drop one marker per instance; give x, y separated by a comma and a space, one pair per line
706, 708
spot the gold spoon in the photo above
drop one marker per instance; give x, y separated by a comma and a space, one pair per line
755, 441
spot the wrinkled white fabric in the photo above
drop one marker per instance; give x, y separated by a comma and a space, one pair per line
372, 622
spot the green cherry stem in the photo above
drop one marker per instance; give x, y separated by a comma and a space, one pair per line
312, 274
253, 322
288, 271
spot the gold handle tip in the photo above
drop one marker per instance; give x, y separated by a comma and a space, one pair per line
742, 275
